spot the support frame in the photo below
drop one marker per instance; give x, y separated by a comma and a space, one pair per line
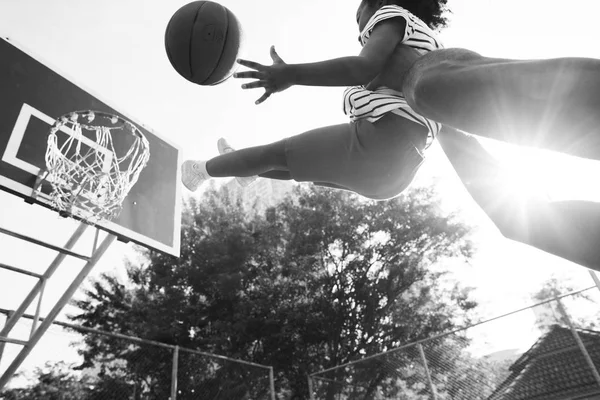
37, 332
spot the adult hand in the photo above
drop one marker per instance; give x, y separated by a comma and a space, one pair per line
273, 78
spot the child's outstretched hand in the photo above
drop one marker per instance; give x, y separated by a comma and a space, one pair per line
274, 78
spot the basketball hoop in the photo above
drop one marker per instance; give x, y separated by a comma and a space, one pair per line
89, 179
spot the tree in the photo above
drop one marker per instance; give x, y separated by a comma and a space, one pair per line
549, 313
53, 382
321, 279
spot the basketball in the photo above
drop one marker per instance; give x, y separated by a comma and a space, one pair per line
202, 41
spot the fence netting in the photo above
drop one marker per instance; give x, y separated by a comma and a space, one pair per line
207, 377
84, 365
552, 347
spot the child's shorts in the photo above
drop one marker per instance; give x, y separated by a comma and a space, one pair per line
376, 160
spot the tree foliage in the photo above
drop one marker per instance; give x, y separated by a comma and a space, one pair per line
580, 307
322, 279
53, 382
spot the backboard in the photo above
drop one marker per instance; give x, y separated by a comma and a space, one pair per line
32, 96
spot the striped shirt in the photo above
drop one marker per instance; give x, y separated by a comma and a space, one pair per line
362, 103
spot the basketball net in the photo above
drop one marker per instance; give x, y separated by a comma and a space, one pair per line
89, 179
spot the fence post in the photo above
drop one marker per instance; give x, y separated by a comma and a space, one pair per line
272, 383
174, 373
311, 393
586, 355
429, 380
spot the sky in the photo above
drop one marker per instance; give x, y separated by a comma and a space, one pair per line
130, 70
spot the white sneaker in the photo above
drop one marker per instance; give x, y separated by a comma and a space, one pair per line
224, 148
193, 175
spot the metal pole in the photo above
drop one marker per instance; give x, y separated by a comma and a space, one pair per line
595, 278
12, 368
272, 382
2, 343
13, 341
44, 244
427, 374
96, 236
201, 353
12, 321
38, 309
311, 391
174, 372
19, 270
103, 333
586, 355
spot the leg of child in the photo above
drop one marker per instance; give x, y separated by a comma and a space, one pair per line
281, 175
286, 176
269, 161
374, 159
377, 160
278, 175
551, 104
250, 161
242, 163
568, 229
314, 153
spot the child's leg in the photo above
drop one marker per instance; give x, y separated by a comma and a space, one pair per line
552, 104
315, 155
224, 147
568, 229
279, 175
242, 163
286, 176
250, 161
250, 154
375, 160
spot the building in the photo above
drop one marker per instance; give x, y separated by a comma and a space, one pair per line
554, 368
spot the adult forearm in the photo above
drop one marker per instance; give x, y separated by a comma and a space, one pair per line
344, 71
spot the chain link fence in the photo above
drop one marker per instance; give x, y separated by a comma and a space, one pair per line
548, 350
126, 368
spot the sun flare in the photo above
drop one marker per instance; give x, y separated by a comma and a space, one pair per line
534, 173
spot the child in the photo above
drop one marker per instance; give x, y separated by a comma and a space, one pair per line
378, 153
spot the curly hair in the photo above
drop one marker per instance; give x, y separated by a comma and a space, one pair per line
429, 11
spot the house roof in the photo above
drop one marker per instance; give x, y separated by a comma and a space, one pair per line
553, 368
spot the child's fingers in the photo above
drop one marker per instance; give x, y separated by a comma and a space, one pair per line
275, 56
250, 64
255, 84
249, 74
263, 97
